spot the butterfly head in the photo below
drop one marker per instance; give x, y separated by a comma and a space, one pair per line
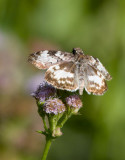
77, 51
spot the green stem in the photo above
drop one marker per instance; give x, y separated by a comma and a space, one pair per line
44, 122
47, 147
66, 117
52, 123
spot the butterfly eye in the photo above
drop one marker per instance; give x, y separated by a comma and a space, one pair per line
76, 51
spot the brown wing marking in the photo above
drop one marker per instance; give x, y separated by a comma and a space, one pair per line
45, 59
62, 76
94, 81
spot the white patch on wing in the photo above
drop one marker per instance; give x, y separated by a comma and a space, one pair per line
62, 82
65, 81
44, 57
57, 67
62, 74
70, 82
51, 69
100, 66
59, 54
93, 61
95, 79
57, 74
44, 52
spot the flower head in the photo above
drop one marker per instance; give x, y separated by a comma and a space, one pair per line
74, 101
44, 92
54, 106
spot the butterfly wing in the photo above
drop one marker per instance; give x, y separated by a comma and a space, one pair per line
45, 59
96, 64
62, 76
94, 81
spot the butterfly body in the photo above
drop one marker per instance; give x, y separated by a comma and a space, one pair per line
72, 71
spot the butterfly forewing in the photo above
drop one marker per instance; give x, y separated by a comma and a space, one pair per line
45, 59
95, 63
62, 76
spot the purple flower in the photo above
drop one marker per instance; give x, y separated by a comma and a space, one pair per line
74, 101
54, 106
44, 92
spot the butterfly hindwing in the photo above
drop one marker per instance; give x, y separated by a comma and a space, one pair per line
62, 76
94, 81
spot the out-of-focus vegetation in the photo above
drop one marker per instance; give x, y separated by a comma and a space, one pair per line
96, 26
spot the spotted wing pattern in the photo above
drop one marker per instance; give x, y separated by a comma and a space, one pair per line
45, 59
62, 76
72, 71
94, 81
96, 64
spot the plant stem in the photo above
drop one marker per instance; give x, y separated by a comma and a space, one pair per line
44, 122
66, 117
47, 147
52, 123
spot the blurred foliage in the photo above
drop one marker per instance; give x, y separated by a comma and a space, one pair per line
30, 25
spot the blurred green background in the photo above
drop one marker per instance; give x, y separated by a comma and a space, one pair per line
96, 26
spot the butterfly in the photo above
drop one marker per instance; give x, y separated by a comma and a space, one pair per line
72, 71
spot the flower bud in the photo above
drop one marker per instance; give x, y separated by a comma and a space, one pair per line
57, 132
54, 106
44, 92
74, 102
